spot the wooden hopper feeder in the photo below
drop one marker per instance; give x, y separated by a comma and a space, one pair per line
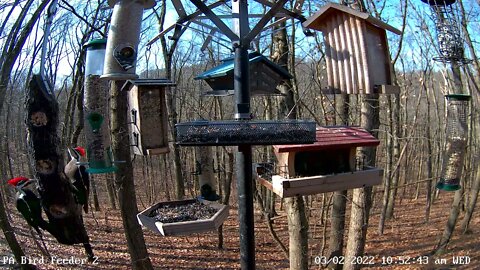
356, 49
146, 218
265, 76
148, 112
324, 166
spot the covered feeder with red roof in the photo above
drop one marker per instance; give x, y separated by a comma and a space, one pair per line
327, 165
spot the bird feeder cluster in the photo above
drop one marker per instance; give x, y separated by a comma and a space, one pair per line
456, 142
448, 29
96, 112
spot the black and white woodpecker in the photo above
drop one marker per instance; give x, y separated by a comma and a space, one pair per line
28, 204
78, 176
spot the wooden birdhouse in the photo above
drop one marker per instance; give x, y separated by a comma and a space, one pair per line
327, 165
265, 76
356, 49
148, 115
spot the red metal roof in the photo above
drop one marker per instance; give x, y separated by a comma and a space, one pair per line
333, 138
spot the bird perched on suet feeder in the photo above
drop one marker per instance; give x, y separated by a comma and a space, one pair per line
78, 176
28, 204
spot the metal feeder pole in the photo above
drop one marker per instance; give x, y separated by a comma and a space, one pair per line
244, 154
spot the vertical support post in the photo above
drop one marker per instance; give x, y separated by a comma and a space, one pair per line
244, 154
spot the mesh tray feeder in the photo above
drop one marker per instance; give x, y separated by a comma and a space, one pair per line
238, 132
455, 142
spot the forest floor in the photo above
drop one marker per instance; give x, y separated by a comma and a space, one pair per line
406, 237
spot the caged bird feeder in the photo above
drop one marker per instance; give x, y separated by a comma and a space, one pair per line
356, 50
449, 31
96, 113
241, 132
148, 111
327, 165
456, 142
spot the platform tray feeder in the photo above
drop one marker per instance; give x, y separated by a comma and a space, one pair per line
179, 217
241, 132
327, 165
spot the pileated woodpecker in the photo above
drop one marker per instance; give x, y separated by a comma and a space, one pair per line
78, 176
28, 204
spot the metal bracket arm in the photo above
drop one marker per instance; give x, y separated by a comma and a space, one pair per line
263, 21
217, 21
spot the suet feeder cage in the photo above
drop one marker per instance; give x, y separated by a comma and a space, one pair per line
250, 132
123, 38
456, 142
327, 165
181, 217
148, 115
96, 112
356, 50
449, 31
265, 77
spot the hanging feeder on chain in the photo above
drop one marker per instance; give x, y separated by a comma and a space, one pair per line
96, 110
456, 142
449, 31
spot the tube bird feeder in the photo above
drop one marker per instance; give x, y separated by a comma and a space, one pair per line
448, 30
99, 152
206, 178
123, 38
456, 142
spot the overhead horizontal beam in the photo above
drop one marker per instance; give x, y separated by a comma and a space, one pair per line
283, 10
263, 21
215, 19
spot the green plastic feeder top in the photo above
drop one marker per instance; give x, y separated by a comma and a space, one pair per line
95, 44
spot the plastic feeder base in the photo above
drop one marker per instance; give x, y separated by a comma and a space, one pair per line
102, 170
447, 187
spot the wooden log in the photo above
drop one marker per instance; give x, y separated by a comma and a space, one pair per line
345, 53
328, 59
55, 190
358, 57
333, 58
351, 54
339, 59
361, 30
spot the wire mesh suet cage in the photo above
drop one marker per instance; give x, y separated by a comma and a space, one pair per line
456, 141
251, 132
449, 31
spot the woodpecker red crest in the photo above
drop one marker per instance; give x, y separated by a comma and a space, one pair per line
81, 150
15, 181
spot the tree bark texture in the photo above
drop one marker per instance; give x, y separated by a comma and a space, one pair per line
124, 181
64, 214
362, 197
298, 233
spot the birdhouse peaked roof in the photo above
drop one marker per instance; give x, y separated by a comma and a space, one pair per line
318, 20
228, 66
334, 137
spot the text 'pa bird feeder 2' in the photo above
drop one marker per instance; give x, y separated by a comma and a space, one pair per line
96, 110
264, 74
148, 112
449, 31
357, 56
327, 165
123, 38
183, 217
456, 142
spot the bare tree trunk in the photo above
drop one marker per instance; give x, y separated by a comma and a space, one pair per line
124, 178
298, 233
339, 202
472, 203
362, 197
